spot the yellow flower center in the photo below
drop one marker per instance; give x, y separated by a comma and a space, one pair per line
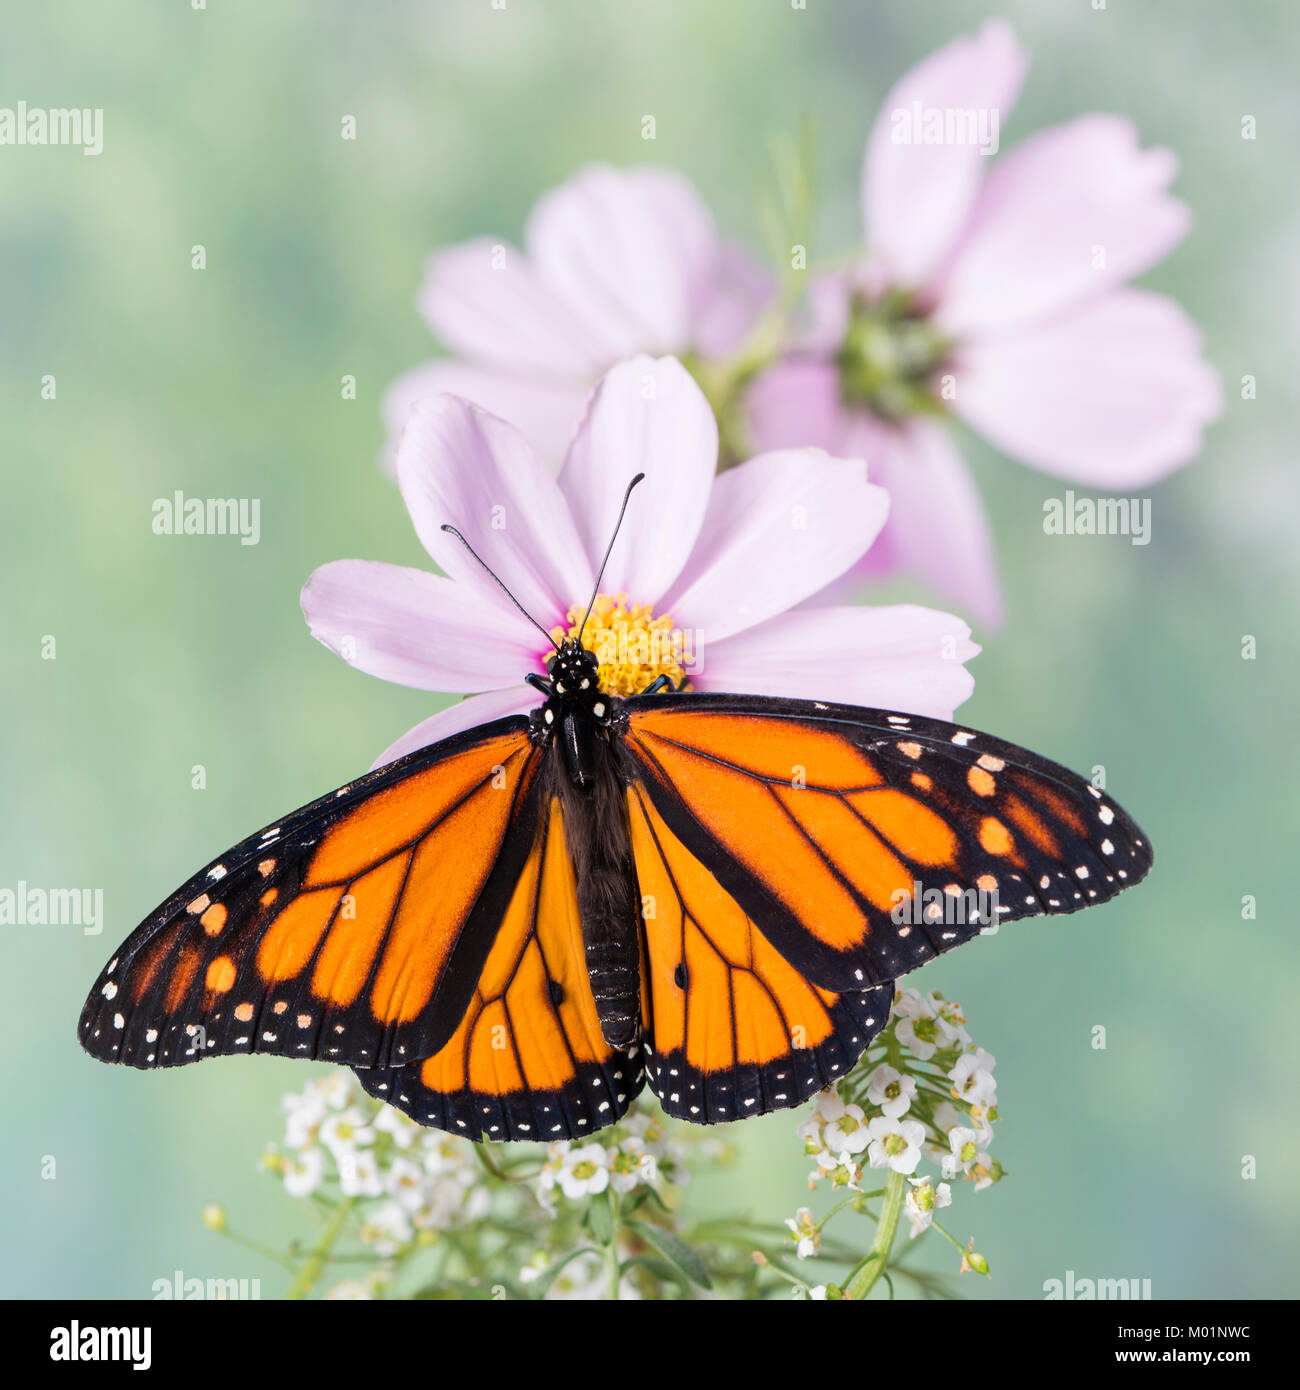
632, 646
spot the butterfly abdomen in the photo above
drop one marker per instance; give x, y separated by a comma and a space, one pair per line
595, 822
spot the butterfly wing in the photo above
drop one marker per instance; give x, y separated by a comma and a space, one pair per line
528, 1060
354, 930
732, 1028
862, 843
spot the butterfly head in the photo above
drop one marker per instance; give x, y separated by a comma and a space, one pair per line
573, 669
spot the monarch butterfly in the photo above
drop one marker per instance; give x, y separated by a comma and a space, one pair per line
508, 933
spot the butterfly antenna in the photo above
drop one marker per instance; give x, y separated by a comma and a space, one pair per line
453, 531
609, 550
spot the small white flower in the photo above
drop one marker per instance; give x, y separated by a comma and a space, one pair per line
965, 1153
584, 1172
445, 1156
840, 1169
891, 1090
303, 1172
906, 1003
828, 1107
404, 1183
387, 1227
630, 1165
980, 1124
359, 1173
972, 1079
673, 1157
338, 1089
920, 1033
847, 1133
947, 1116
817, 1293
345, 1131
803, 1230
549, 1177
983, 1174
644, 1125
895, 1144
923, 1201
811, 1134
927, 1023
303, 1114
403, 1129
950, 1012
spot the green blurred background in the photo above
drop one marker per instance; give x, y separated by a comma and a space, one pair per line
222, 127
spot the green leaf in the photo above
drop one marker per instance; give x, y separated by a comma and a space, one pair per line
675, 1250
640, 1197
542, 1284
659, 1269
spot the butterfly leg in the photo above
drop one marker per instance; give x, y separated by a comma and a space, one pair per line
539, 683
661, 683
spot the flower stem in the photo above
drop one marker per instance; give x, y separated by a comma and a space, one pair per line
265, 1251
613, 1270
862, 1279
311, 1267
490, 1163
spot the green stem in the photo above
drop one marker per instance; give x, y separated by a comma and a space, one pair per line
312, 1266
490, 1163
613, 1271
265, 1251
862, 1279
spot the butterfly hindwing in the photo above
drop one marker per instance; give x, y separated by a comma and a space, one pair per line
528, 1060
353, 930
863, 843
732, 1028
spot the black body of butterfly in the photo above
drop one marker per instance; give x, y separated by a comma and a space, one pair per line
505, 933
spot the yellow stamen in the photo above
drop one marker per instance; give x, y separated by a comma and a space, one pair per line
632, 646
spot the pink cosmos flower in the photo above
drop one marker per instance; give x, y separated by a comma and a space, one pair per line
724, 559
995, 290
616, 262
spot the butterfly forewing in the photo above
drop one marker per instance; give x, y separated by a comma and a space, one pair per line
354, 930
863, 843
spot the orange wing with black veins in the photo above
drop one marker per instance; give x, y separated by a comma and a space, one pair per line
354, 930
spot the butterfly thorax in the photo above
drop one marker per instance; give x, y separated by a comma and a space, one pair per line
577, 710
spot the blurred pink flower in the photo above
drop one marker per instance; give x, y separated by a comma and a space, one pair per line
1001, 297
726, 556
617, 262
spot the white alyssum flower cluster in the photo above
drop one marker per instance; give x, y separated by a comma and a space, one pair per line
923, 1091
635, 1152
412, 1179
